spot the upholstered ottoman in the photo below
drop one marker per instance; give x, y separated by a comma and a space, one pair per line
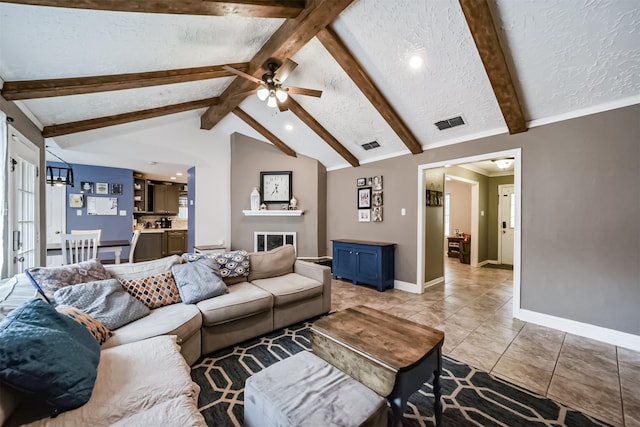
304, 390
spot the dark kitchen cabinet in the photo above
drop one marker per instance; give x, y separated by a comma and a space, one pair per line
149, 247
165, 198
175, 242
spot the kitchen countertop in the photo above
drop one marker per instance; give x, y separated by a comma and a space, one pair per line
159, 230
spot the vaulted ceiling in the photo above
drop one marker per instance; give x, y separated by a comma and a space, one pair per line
97, 76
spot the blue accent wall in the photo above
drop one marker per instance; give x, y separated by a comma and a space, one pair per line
113, 227
191, 208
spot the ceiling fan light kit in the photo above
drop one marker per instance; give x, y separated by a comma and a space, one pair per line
270, 86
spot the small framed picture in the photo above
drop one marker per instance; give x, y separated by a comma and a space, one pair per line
370, 181
377, 198
377, 214
377, 183
361, 182
364, 198
76, 200
102, 188
86, 187
116, 189
364, 215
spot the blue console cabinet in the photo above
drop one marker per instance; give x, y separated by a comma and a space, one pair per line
360, 261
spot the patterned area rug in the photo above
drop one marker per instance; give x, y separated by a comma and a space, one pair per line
469, 397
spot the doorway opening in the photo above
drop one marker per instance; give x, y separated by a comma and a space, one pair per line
479, 216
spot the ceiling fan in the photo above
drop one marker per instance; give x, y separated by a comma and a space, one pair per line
270, 86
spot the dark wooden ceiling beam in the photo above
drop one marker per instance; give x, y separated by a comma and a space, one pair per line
323, 133
343, 56
251, 8
264, 132
29, 89
483, 30
292, 35
118, 119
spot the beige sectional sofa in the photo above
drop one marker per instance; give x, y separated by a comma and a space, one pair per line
278, 291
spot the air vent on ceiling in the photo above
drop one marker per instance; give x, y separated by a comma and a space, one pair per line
449, 123
371, 145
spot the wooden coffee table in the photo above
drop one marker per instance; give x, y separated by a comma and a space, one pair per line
388, 354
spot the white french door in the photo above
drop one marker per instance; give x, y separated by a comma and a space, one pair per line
23, 201
506, 223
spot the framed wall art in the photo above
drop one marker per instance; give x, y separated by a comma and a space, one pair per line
361, 182
102, 188
86, 187
76, 200
364, 198
116, 189
364, 215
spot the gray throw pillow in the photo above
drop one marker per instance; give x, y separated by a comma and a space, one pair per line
105, 300
198, 280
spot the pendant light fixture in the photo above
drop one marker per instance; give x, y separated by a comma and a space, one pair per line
59, 175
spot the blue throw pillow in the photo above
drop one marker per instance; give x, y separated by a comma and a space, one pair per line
48, 356
198, 280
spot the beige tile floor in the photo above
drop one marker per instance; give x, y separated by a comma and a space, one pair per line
474, 309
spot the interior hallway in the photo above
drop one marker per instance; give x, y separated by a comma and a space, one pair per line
474, 309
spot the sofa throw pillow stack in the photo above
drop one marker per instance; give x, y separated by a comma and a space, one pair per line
198, 280
154, 291
48, 356
104, 300
47, 280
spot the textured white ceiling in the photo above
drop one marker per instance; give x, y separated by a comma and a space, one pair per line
566, 56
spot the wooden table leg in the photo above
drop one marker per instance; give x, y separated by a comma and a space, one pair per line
437, 404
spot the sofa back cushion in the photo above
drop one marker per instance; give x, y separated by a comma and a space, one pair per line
139, 270
275, 262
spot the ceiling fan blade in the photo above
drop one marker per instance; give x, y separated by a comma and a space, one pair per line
304, 91
285, 69
245, 94
282, 106
242, 74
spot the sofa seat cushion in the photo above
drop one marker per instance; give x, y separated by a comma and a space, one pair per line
243, 300
180, 319
132, 379
290, 288
180, 411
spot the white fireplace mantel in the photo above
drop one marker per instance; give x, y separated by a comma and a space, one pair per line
273, 212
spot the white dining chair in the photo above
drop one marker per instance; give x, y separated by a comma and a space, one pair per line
79, 247
99, 231
134, 243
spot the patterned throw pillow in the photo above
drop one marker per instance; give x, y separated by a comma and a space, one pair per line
104, 300
100, 332
47, 280
154, 291
233, 264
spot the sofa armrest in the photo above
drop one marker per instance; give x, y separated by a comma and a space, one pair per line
320, 273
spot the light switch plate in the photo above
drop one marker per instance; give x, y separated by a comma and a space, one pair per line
79, 212
123, 213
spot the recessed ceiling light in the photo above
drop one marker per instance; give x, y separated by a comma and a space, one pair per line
178, 173
415, 62
152, 163
288, 127
173, 177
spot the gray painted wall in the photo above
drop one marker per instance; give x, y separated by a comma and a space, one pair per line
29, 130
580, 211
248, 158
434, 228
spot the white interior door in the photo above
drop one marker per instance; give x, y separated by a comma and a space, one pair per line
23, 198
56, 218
506, 223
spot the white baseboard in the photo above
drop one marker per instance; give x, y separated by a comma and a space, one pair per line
487, 261
433, 282
609, 336
406, 286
